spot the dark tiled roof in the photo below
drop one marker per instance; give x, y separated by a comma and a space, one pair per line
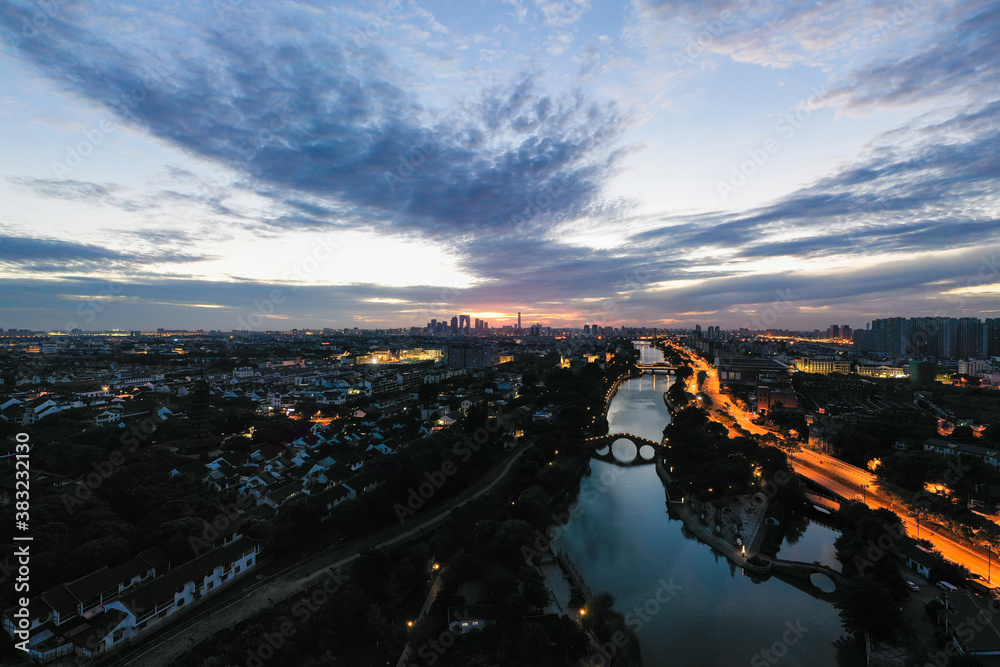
156, 557
96, 628
162, 589
97, 582
61, 600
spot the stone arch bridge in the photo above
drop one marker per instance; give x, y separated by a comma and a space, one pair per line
602, 441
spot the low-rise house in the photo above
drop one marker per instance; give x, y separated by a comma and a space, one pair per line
471, 617
281, 494
950, 448
335, 495
916, 557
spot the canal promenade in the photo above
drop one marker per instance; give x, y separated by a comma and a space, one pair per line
744, 517
627, 541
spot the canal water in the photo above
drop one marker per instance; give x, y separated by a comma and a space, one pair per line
688, 605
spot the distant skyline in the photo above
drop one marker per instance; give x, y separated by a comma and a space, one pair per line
659, 163
506, 322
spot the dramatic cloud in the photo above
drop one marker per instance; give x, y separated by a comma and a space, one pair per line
961, 61
520, 149
295, 109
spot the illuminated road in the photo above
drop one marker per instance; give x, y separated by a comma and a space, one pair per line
846, 480
720, 402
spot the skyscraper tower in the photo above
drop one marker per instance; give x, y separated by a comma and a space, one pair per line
519, 322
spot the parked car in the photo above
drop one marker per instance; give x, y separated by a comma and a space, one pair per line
945, 586
912, 586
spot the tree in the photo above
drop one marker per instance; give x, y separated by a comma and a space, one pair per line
868, 605
962, 432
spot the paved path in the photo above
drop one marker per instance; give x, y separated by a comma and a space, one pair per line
212, 618
432, 594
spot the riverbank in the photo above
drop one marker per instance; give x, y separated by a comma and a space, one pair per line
613, 389
626, 542
743, 519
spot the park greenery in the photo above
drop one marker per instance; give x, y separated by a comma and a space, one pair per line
491, 542
871, 600
488, 552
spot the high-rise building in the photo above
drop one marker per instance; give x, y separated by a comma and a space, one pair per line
463, 323
991, 337
519, 323
969, 338
918, 337
465, 356
454, 325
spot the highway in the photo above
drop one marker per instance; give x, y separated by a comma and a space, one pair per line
846, 480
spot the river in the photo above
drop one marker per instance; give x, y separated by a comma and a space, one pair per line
688, 605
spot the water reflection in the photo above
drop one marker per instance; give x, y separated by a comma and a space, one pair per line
624, 541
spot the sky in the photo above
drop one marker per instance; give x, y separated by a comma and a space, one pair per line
238, 164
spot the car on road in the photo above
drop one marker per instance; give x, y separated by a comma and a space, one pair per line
912, 586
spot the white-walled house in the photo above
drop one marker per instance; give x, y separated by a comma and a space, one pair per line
98, 613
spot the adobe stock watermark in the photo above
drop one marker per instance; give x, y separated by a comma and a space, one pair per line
770, 315
892, 534
433, 649
418, 496
94, 137
541, 202
224, 8
901, 14
967, 630
609, 308
220, 524
711, 31
89, 309
784, 129
925, 335
640, 615
365, 36
636, 619
302, 270
770, 488
302, 610
103, 470
773, 654
416, 157
31, 27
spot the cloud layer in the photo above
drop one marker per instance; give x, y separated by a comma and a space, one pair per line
316, 129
